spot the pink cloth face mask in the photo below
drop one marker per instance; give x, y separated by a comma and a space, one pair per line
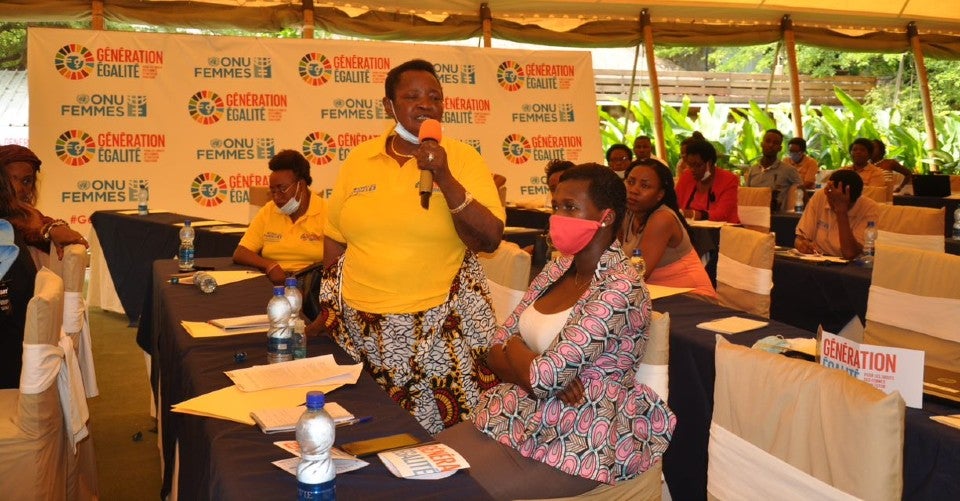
571, 234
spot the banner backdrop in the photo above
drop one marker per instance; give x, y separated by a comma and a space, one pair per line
198, 117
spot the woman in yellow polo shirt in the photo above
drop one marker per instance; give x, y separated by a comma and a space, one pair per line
403, 284
287, 234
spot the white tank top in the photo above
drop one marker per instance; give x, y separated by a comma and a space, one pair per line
538, 330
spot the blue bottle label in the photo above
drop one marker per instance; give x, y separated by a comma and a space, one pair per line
186, 255
279, 346
326, 491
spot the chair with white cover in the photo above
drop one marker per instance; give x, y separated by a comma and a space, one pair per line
745, 270
257, 197
914, 302
753, 207
33, 441
908, 226
800, 431
508, 275
82, 466
652, 371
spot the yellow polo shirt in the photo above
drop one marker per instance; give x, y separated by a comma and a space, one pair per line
293, 245
871, 175
401, 258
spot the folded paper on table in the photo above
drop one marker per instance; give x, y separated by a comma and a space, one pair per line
204, 329
424, 462
241, 322
342, 461
706, 223
305, 371
813, 258
277, 419
660, 291
234, 405
197, 224
732, 325
953, 420
228, 229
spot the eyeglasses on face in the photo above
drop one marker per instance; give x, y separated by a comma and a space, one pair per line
283, 188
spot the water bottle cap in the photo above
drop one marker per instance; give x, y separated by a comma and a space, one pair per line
186, 223
278, 290
315, 400
290, 281
636, 252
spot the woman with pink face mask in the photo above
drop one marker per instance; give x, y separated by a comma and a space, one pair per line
569, 415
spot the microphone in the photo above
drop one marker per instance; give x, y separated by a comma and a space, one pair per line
429, 130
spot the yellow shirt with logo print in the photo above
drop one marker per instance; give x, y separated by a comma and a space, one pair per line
401, 258
293, 245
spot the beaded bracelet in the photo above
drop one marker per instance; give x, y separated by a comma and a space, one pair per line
52, 225
466, 201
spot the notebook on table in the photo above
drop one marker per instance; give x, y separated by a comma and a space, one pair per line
941, 383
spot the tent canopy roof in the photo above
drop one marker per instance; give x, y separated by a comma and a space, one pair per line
855, 25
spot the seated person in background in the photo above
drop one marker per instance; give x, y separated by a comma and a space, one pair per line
569, 414
770, 172
836, 217
805, 164
553, 170
654, 225
619, 157
17, 275
20, 166
682, 165
860, 152
643, 149
889, 165
286, 235
703, 190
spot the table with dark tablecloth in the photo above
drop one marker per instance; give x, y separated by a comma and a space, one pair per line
131, 243
806, 294
931, 450
221, 459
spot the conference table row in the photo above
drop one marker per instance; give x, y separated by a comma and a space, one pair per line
221, 459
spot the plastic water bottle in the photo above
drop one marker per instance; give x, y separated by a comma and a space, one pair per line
869, 244
143, 195
636, 259
798, 203
279, 347
297, 326
205, 282
186, 246
956, 223
316, 473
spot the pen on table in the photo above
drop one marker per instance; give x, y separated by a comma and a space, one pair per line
351, 422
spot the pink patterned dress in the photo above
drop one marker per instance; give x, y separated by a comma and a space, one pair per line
622, 428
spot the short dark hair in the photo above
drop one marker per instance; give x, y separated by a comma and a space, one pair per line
292, 160
557, 165
619, 146
606, 189
799, 141
878, 146
849, 178
703, 149
696, 136
393, 76
774, 131
862, 141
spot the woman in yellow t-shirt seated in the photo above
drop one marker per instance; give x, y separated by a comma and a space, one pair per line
287, 234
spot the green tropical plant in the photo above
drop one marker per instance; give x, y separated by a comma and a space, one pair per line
829, 131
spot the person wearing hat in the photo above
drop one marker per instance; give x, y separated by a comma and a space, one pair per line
19, 166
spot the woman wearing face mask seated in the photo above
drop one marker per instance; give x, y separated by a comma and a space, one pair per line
569, 414
287, 234
705, 191
655, 226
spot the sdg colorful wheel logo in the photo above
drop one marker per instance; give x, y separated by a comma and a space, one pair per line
74, 62
206, 107
319, 148
75, 148
315, 69
516, 149
208, 189
510, 76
